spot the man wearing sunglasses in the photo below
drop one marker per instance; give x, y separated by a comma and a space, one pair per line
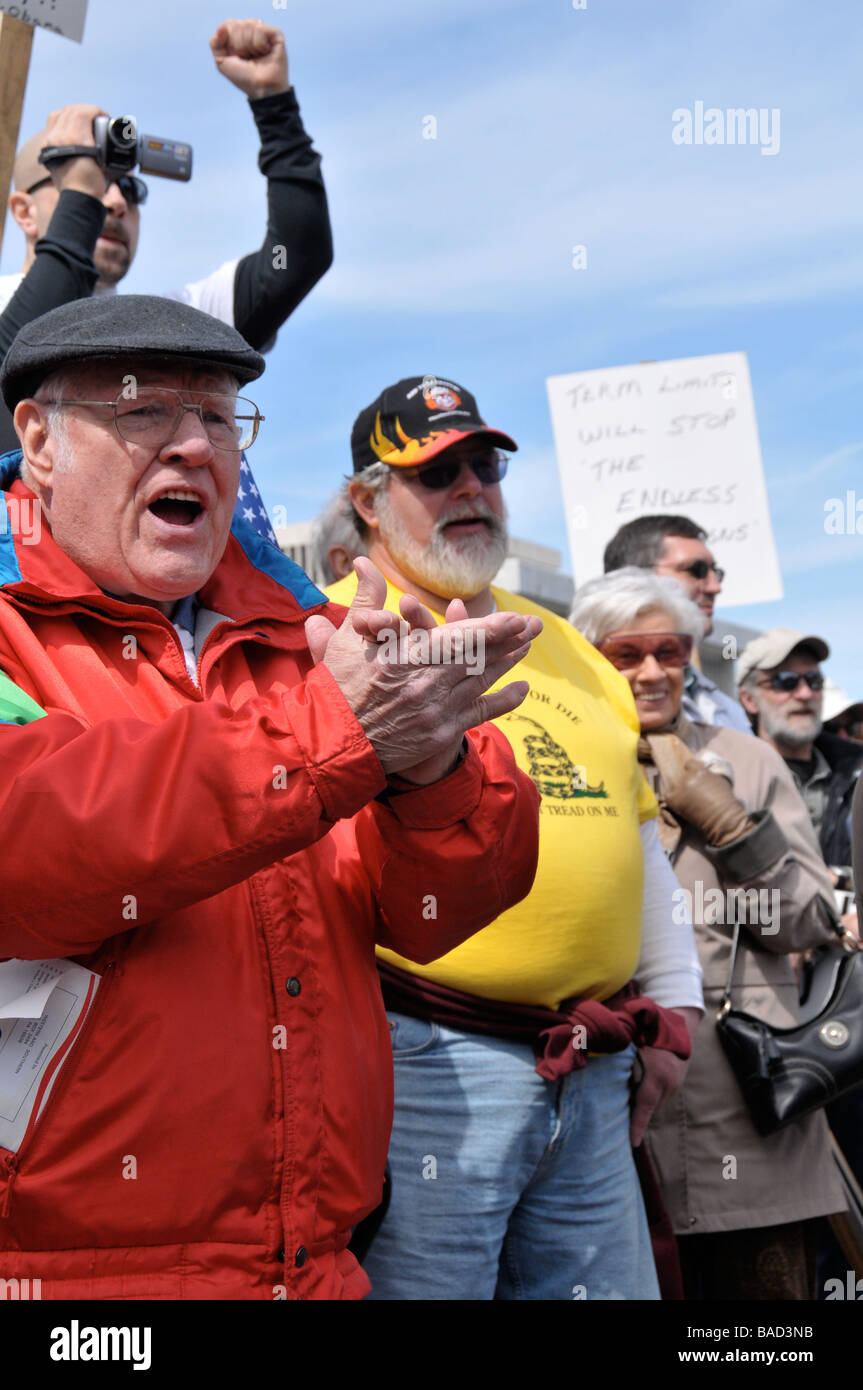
781, 687
82, 236
512, 1173
676, 546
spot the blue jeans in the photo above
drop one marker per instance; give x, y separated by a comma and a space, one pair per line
505, 1185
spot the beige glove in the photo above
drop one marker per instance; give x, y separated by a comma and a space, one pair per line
696, 793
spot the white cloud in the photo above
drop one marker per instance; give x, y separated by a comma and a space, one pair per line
827, 553
827, 464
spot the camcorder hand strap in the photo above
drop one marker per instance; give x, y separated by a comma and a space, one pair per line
58, 154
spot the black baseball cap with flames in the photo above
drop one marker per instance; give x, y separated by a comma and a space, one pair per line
416, 419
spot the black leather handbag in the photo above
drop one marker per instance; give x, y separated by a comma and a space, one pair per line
786, 1073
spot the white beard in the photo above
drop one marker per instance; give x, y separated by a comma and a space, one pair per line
786, 734
447, 566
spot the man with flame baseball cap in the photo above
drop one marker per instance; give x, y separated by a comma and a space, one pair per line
488, 1062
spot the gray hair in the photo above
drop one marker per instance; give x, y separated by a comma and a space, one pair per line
336, 525
54, 387
613, 602
376, 477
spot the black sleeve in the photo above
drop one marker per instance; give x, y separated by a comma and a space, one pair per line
297, 248
63, 270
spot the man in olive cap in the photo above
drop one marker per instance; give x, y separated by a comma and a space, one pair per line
781, 685
781, 688
231, 799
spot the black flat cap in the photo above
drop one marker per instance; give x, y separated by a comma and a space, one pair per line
122, 326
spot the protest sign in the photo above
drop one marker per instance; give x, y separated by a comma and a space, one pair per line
675, 437
64, 17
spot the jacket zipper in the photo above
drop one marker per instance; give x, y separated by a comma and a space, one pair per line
11, 1161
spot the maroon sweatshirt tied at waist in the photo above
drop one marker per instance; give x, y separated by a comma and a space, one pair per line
561, 1038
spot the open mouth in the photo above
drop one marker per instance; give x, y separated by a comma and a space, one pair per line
177, 507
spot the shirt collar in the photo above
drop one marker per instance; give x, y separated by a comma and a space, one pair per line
185, 612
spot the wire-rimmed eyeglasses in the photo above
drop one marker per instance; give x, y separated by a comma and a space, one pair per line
153, 414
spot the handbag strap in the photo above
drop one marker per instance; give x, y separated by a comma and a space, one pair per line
725, 1001
850, 944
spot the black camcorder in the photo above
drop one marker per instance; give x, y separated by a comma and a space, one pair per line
120, 149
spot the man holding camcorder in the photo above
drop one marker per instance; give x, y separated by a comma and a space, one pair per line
82, 228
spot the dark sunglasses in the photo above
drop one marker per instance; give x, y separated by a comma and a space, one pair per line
786, 682
488, 468
627, 650
133, 189
699, 569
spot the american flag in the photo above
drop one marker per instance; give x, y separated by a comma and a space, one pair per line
250, 506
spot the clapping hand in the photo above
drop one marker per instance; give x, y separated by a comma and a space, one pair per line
415, 715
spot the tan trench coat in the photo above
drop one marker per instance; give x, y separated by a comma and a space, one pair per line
716, 1172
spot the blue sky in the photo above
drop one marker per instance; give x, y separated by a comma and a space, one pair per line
453, 255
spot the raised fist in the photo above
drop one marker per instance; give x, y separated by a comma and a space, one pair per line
252, 55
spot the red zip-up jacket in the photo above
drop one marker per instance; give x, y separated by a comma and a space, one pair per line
218, 856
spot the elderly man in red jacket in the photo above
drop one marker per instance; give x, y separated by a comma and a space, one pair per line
233, 797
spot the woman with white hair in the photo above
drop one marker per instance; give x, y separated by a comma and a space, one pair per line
743, 1206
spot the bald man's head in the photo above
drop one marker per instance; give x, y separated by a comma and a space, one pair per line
27, 169
34, 201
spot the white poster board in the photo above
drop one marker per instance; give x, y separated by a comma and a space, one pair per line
677, 437
64, 17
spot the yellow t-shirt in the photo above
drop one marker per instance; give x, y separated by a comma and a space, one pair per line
579, 929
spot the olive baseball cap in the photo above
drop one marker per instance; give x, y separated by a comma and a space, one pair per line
768, 651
